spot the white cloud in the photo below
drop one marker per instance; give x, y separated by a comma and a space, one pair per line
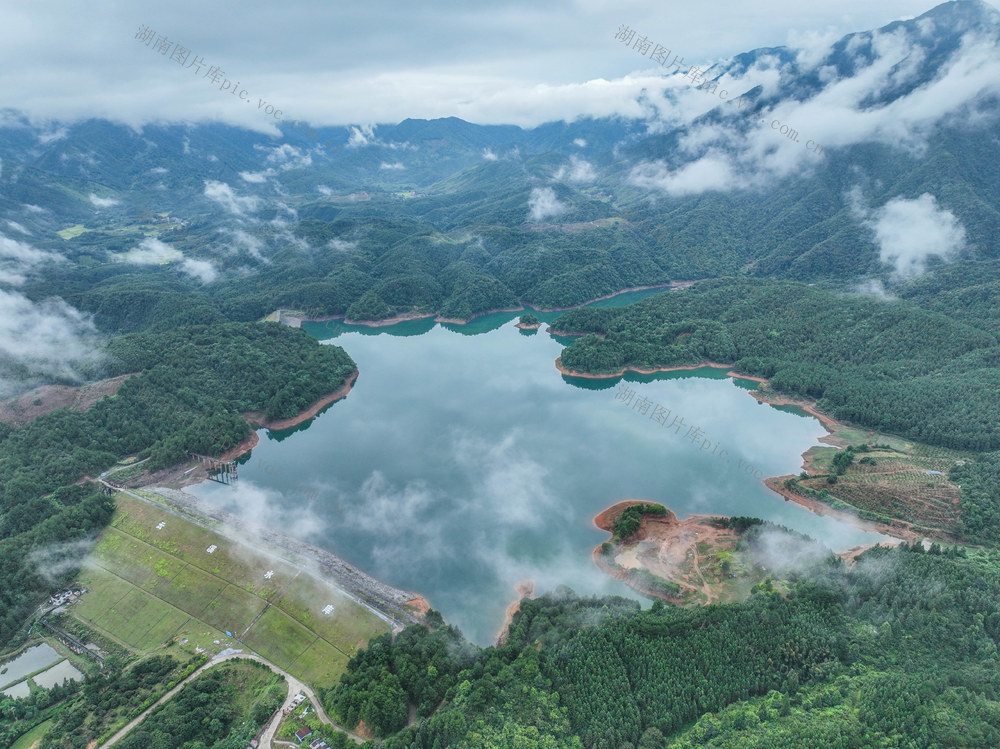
712, 172
577, 171
151, 251
579, 142
264, 507
813, 46
34, 208
202, 270
875, 288
17, 259
285, 157
340, 245
42, 341
223, 194
394, 165
103, 202
159, 170
543, 203
17, 227
324, 190
249, 242
256, 177
909, 232
489, 155
52, 135
363, 135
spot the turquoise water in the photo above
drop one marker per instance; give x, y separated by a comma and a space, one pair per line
463, 462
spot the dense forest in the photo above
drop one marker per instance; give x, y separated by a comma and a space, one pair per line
190, 386
897, 650
221, 709
894, 366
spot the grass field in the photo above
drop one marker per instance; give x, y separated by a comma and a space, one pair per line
28, 740
73, 231
151, 579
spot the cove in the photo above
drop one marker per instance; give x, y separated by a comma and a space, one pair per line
463, 462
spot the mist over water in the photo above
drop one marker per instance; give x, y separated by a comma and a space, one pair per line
463, 462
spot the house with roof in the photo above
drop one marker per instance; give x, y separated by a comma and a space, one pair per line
303, 733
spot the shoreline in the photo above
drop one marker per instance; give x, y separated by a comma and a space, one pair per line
694, 524
525, 590
901, 530
605, 521
177, 474
639, 370
296, 321
779, 399
383, 323
460, 321
667, 285
256, 418
898, 529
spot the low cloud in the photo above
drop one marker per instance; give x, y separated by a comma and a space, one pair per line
256, 177
17, 259
202, 270
223, 194
875, 288
713, 172
361, 136
264, 507
783, 552
103, 202
46, 341
151, 252
489, 155
910, 232
55, 561
543, 204
154, 252
252, 244
394, 165
52, 135
578, 170
340, 245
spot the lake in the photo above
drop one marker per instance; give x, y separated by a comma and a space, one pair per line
463, 462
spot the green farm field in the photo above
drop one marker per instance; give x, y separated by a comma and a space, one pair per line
154, 577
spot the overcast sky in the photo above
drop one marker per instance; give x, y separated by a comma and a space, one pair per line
513, 61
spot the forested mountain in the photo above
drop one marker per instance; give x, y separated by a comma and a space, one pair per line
178, 223
843, 657
890, 366
838, 207
190, 387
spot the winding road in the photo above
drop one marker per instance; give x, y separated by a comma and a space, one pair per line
294, 687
